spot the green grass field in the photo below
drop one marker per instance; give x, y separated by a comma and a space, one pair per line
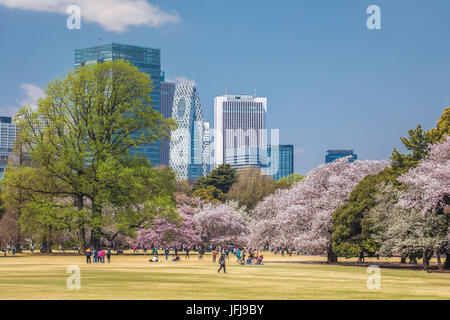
133, 277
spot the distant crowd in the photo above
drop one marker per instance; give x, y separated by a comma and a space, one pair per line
98, 256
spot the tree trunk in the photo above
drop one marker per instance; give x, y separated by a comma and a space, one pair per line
82, 236
427, 254
403, 258
447, 260
95, 240
332, 258
46, 245
95, 232
79, 203
438, 256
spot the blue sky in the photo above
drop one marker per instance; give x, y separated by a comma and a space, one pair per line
330, 82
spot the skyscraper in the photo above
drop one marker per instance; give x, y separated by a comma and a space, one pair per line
240, 137
8, 132
336, 154
188, 152
167, 96
281, 160
147, 60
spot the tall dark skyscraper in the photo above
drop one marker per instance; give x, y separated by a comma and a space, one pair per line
147, 60
8, 132
167, 95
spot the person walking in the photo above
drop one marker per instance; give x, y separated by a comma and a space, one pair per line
222, 264
94, 255
201, 251
238, 255
187, 253
88, 255
166, 253
108, 255
214, 255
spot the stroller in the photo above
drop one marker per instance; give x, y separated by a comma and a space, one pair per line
259, 261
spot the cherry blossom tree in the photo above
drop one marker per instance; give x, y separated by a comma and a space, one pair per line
166, 233
300, 217
429, 187
429, 182
402, 231
221, 224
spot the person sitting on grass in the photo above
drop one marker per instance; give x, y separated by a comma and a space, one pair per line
177, 258
154, 259
249, 260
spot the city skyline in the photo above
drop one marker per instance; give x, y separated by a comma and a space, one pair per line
331, 82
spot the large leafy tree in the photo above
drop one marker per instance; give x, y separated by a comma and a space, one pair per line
350, 236
80, 138
221, 178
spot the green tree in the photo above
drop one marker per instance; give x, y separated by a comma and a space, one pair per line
221, 178
289, 181
442, 129
80, 137
210, 194
251, 188
350, 233
416, 142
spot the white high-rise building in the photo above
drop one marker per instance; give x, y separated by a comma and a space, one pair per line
240, 136
188, 152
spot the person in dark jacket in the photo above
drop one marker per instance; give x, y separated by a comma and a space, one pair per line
222, 264
88, 255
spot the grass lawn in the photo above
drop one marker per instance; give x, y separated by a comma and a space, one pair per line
133, 277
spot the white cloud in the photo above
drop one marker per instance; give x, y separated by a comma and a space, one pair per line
113, 15
31, 94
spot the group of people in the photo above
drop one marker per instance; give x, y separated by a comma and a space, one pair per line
245, 256
253, 258
98, 256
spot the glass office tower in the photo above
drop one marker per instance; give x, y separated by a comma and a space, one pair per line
336, 154
240, 136
188, 151
282, 165
147, 60
8, 132
167, 95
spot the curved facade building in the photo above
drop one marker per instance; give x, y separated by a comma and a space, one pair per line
188, 145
